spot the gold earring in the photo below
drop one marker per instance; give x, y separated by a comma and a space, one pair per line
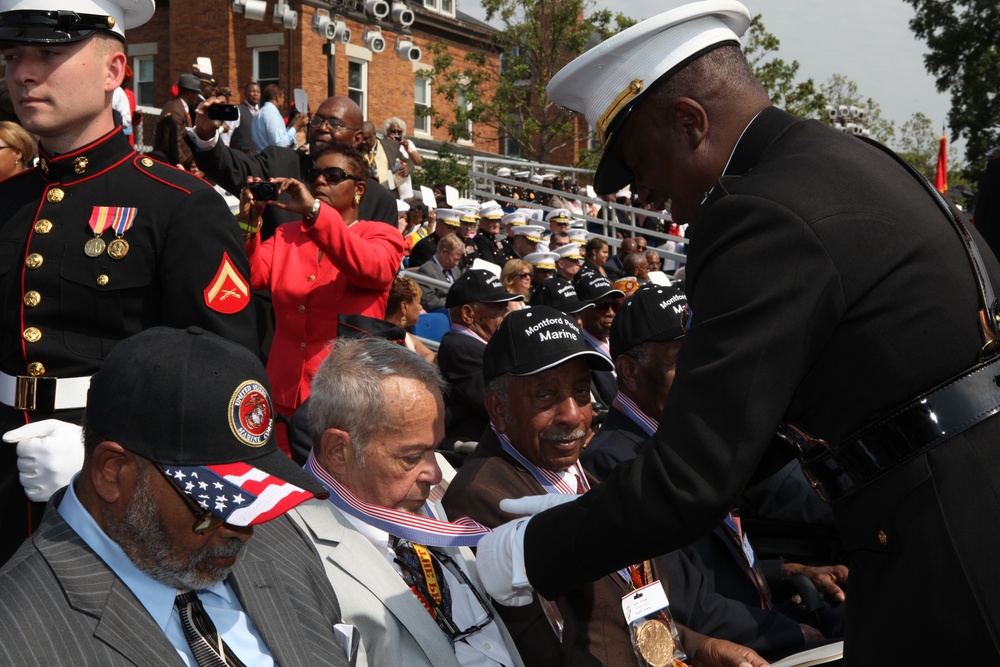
357, 199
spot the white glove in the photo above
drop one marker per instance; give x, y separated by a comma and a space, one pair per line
500, 564
535, 504
49, 453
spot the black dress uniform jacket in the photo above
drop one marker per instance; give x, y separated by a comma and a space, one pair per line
826, 288
491, 248
63, 311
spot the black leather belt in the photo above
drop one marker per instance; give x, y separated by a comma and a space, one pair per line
913, 429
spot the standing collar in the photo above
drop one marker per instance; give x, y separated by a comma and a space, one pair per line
86, 161
762, 131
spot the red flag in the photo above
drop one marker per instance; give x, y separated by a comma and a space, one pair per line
941, 180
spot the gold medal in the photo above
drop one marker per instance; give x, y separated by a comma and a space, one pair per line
118, 248
655, 643
94, 247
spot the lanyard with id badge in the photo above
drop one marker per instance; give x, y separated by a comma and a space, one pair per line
650, 625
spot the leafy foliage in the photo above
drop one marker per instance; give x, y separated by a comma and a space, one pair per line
778, 77
964, 41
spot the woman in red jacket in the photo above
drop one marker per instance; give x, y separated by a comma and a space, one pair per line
327, 264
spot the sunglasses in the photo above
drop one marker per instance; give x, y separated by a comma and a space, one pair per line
522, 276
613, 306
204, 520
332, 175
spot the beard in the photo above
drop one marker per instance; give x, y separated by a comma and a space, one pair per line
140, 532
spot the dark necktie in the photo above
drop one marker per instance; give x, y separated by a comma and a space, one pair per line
201, 635
431, 590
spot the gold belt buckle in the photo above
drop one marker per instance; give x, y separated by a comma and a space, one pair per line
34, 393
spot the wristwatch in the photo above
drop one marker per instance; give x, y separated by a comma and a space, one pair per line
313, 212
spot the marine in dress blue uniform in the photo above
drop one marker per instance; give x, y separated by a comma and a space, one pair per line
96, 244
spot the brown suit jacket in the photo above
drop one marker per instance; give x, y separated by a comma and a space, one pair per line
595, 632
169, 137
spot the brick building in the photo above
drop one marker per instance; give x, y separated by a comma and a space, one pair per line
242, 49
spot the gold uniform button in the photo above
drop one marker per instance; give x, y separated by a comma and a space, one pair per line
32, 299
32, 335
883, 538
43, 226
146, 162
102, 280
34, 260
55, 195
35, 368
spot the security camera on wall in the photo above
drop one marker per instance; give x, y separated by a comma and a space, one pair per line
405, 50
322, 25
402, 15
377, 8
341, 32
373, 39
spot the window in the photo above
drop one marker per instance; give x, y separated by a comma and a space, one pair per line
464, 107
421, 105
265, 66
142, 80
446, 7
510, 147
357, 83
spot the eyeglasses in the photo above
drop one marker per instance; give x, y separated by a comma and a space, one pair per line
332, 175
522, 276
333, 123
204, 520
613, 306
444, 622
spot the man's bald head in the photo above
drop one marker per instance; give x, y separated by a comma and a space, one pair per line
628, 247
341, 111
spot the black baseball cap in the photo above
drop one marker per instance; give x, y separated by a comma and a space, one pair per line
560, 294
199, 406
591, 286
478, 285
535, 339
650, 314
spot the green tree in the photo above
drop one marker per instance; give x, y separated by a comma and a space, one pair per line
839, 90
918, 144
506, 95
445, 168
778, 77
964, 41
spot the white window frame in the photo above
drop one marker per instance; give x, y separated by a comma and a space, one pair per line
419, 120
363, 91
256, 64
136, 69
445, 7
469, 126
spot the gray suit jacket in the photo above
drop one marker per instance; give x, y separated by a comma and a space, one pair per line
62, 605
435, 297
394, 626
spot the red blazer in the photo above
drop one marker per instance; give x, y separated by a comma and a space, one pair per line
353, 275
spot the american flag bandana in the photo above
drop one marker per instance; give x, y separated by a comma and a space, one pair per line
237, 492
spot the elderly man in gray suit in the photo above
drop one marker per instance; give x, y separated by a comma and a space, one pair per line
171, 546
404, 576
442, 266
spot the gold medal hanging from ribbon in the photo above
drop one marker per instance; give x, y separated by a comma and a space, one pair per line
655, 643
115, 217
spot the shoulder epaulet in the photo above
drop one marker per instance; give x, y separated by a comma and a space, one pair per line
172, 176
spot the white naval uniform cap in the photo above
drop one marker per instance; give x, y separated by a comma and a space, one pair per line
606, 82
67, 21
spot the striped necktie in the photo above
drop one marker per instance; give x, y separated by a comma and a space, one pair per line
204, 640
